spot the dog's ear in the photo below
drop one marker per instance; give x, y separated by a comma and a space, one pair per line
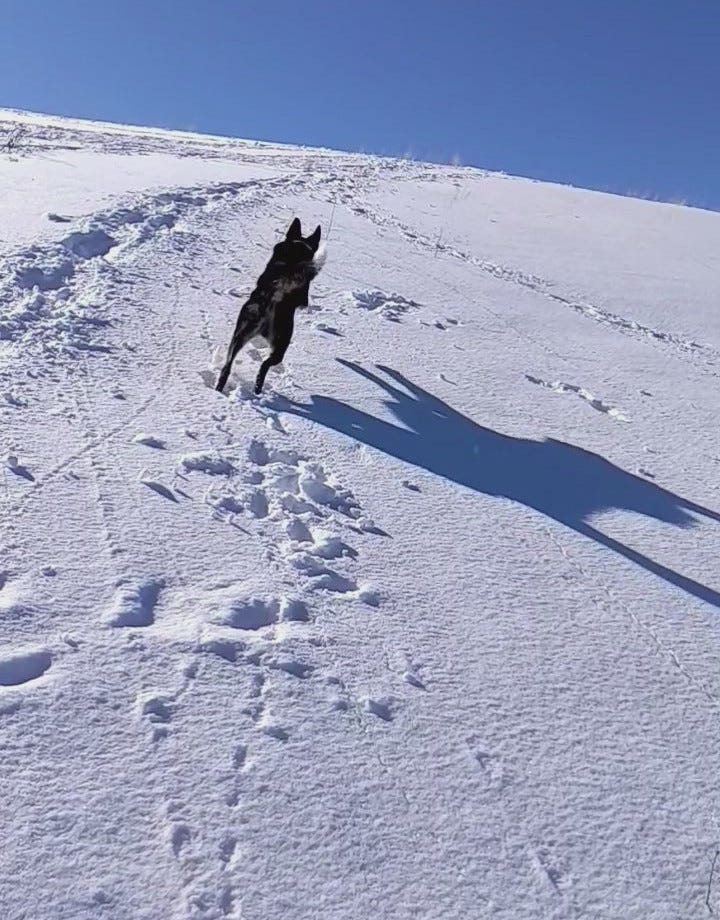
314, 239
295, 231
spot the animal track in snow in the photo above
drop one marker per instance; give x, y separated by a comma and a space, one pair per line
241, 607
227, 649
210, 463
134, 604
287, 486
41, 286
323, 577
179, 836
339, 698
158, 487
261, 455
258, 453
228, 505
441, 324
249, 614
298, 531
293, 610
328, 330
22, 666
155, 707
330, 547
258, 711
306, 511
240, 757
320, 487
548, 864
291, 666
491, 765
326, 579
534, 283
257, 504
275, 731
149, 440
227, 848
10, 398
302, 492
369, 596
235, 618
294, 505
382, 708
206, 892
569, 388
13, 464
240, 763
389, 306
89, 244
413, 680
325, 545
13, 592
309, 549
209, 378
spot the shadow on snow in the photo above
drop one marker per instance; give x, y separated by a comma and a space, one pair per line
564, 482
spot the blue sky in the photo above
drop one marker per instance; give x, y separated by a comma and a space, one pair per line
620, 94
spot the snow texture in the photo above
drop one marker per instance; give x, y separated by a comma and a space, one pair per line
431, 629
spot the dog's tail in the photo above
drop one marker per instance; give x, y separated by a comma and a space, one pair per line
309, 270
318, 261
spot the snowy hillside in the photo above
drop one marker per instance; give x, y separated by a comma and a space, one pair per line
429, 630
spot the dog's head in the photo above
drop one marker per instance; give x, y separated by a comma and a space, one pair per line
295, 250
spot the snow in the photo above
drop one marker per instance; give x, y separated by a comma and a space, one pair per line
429, 629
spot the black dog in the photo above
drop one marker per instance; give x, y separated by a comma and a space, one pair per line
280, 290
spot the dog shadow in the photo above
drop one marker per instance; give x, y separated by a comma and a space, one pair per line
560, 480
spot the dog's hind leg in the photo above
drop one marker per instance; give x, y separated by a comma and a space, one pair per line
275, 357
279, 347
245, 329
